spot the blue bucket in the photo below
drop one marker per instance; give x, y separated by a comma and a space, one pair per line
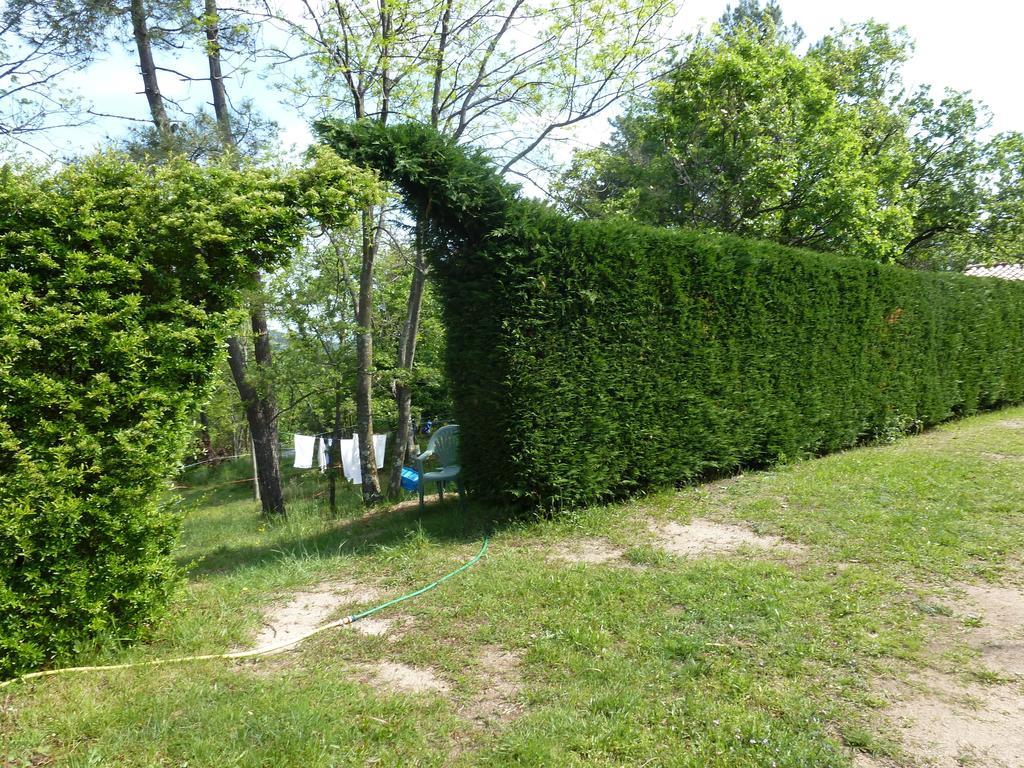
410, 479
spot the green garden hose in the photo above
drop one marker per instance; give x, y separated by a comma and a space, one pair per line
267, 651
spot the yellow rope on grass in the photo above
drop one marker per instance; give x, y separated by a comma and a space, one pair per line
265, 651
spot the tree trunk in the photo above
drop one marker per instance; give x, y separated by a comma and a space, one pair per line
260, 411
260, 407
364, 362
403, 439
220, 94
140, 29
335, 469
255, 471
407, 357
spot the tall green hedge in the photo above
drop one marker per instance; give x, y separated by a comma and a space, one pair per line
594, 359
117, 283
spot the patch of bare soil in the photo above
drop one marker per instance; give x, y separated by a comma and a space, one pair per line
1011, 423
1000, 637
307, 610
947, 723
704, 537
391, 628
863, 760
499, 698
495, 703
428, 498
402, 678
1000, 456
591, 551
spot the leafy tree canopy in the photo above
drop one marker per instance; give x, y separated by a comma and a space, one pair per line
823, 149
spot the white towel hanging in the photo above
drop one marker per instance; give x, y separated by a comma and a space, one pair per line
304, 445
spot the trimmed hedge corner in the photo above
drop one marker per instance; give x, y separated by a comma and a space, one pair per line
594, 359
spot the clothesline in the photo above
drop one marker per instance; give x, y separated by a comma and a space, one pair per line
309, 446
354, 427
285, 434
213, 459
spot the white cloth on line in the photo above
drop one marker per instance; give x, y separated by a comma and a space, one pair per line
351, 464
304, 451
350, 460
324, 458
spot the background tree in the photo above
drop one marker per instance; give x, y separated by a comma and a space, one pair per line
313, 299
316, 363
951, 171
223, 430
947, 177
36, 51
745, 136
1002, 229
146, 26
825, 150
83, 28
506, 74
765, 22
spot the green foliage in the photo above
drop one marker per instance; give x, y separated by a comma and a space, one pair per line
596, 359
947, 172
313, 300
820, 149
468, 200
635, 358
430, 392
1004, 224
225, 416
745, 136
117, 282
199, 138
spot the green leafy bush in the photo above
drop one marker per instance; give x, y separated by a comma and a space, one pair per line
116, 284
594, 359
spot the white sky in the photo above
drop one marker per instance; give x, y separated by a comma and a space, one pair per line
973, 46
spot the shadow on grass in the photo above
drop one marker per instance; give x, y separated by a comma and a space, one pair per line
357, 531
379, 528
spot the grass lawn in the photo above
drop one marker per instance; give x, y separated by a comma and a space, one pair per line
578, 641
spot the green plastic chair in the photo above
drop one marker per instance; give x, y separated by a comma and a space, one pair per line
444, 447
